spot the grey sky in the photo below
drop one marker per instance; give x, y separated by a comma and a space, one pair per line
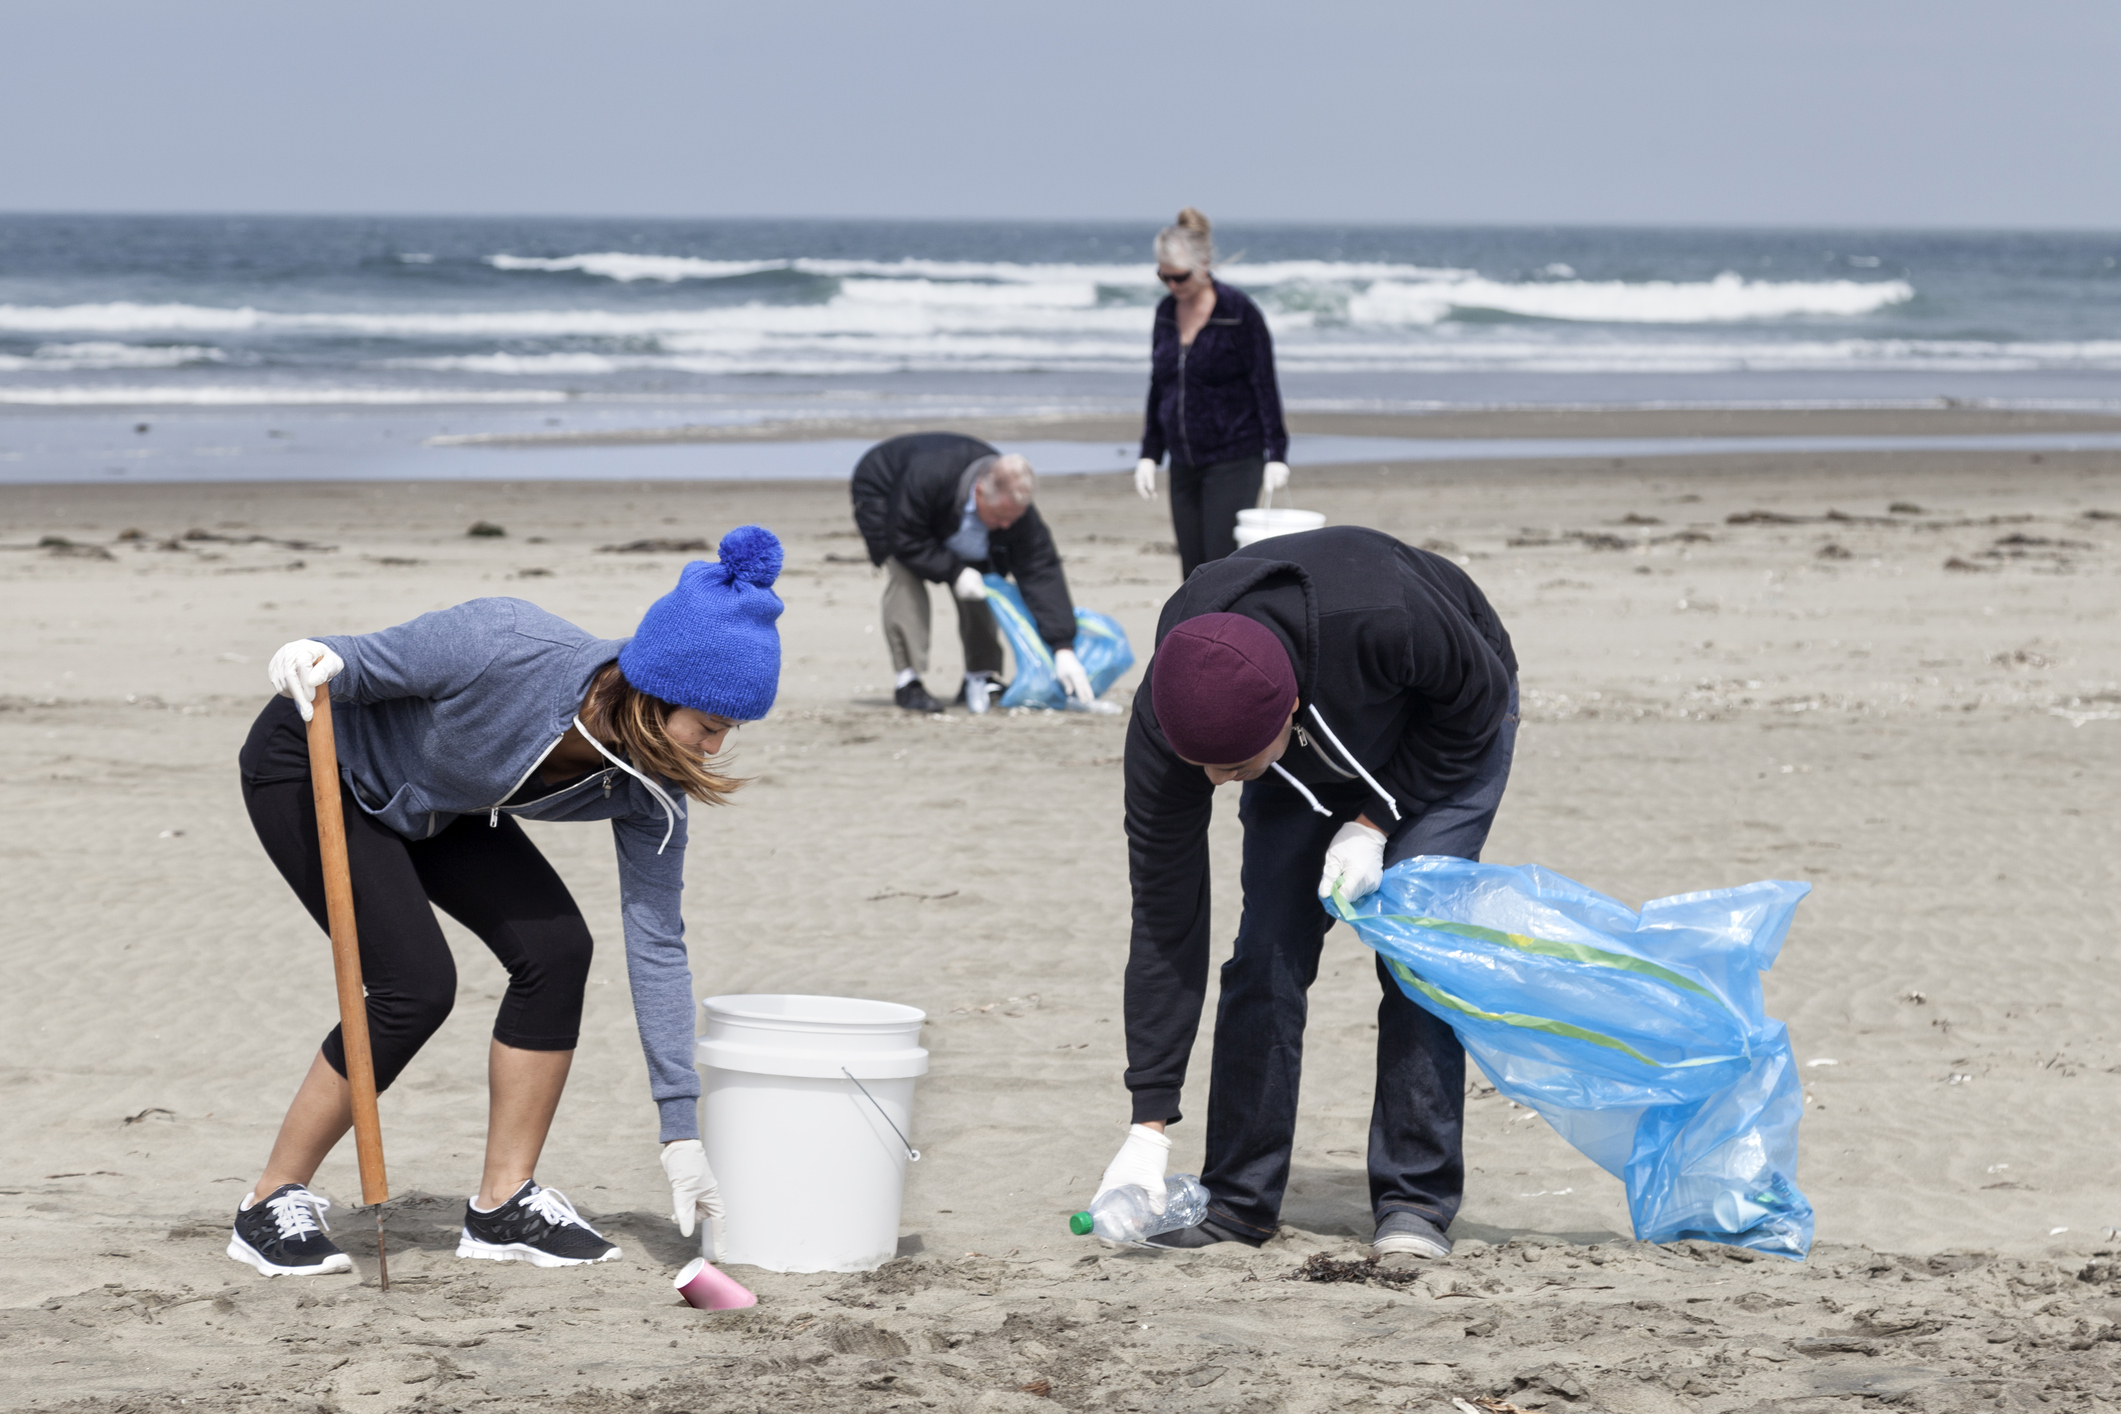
1890, 112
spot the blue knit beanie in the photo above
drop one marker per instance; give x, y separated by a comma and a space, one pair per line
710, 644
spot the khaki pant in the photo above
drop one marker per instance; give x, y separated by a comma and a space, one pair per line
906, 625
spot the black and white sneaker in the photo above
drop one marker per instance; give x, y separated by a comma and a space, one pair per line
284, 1235
537, 1225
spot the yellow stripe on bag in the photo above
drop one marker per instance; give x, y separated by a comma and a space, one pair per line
1544, 947
1024, 631
1514, 1018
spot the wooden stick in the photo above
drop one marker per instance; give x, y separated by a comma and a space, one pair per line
346, 965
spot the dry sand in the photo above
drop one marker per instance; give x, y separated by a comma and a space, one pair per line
1707, 702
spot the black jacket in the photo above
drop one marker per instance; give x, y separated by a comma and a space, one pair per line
1398, 656
909, 497
1216, 401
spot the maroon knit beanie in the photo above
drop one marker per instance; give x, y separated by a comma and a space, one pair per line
1223, 688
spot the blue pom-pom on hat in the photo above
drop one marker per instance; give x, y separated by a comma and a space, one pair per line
751, 553
711, 643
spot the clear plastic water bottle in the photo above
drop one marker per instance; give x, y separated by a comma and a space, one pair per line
1123, 1216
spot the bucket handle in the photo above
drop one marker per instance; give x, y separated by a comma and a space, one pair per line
913, 1155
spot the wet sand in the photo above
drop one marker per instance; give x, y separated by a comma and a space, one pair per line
1946, 419
1915, 709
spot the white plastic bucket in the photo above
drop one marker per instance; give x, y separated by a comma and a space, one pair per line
811, 1169
1254, 525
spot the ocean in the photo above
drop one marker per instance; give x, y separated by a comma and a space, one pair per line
481, 324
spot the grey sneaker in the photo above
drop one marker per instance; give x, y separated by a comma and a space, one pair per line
1411, 1233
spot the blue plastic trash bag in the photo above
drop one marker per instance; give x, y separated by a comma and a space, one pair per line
1100, 643
1642, 1038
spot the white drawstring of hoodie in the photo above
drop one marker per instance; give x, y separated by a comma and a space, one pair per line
670, 812
1349, 756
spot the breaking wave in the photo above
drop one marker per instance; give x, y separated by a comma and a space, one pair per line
293, 395
77, 358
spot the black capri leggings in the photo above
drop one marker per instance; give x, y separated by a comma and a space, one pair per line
1205, 501
491, 879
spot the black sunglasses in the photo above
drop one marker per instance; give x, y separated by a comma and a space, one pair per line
1171, 279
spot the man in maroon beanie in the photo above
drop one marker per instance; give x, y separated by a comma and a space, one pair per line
1365, 694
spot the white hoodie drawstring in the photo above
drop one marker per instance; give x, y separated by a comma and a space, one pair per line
1301, 789
1382, 793
669, 811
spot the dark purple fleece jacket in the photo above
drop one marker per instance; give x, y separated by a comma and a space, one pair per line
1216, 401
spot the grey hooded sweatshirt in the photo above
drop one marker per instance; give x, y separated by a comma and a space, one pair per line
450, 715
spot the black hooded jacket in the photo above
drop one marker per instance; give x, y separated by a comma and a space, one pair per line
909, 497
1217, 400
1403, 676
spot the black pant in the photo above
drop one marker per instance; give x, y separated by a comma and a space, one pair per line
1417, 1113
1205, 501
491, 879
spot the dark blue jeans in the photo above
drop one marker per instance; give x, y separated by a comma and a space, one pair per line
1417, 1117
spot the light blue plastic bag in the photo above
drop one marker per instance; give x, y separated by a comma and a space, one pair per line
1642, 1038
1100, 643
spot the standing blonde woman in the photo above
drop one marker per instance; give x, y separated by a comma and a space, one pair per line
1214, 405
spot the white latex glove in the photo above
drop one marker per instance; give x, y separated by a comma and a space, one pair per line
299, 669
693, 1192
1145, 479
1277, 475
1355, 860
1069, 669
969, 585
1140, 1161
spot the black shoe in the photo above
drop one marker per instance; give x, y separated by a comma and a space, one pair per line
538, 1226
914, 698
1205, 1233
284, 1235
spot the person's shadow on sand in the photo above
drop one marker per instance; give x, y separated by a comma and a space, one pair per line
1335, 1202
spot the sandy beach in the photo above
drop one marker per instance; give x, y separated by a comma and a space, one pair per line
1896, 675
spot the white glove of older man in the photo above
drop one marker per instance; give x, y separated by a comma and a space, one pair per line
1145, 479
299, 669
1069, 670
1141, 1162
1277, 476
1355, 861
969, 586
693, 1192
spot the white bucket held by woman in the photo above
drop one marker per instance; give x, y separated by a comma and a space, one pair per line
1253, 524
806, 1116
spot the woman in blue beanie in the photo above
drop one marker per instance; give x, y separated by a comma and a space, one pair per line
448, 728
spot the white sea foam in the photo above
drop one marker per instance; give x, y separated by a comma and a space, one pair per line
618, 265
172, 395
124, 317
623, 266
1727, 299
76, 358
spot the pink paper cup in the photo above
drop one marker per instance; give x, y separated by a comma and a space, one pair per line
709, 1290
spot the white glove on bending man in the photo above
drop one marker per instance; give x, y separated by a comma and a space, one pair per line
969, 586
1069, 670
693, 1192
1355, 861
1277, 476
299, 669
1140, 1161
1145, 479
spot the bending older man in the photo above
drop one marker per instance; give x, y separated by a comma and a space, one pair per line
940, 508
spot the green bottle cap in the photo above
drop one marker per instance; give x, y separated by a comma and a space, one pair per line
1082, 1224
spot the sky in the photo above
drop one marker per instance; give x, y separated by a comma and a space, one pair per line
1863, 113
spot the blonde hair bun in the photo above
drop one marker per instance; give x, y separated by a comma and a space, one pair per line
1186, 242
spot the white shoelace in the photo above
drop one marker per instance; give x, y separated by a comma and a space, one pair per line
298, 1213
552, 1205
